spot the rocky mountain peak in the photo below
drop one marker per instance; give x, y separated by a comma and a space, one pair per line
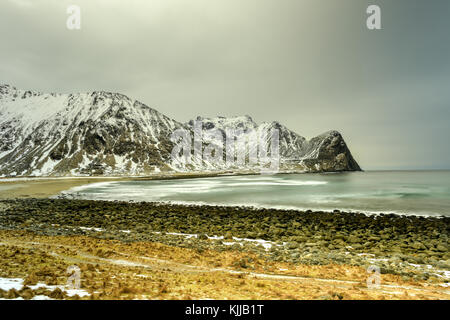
108, 133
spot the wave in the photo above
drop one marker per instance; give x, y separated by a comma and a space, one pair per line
96, 185
364, 194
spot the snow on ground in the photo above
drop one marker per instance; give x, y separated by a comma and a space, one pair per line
92, 229
7, 284
265, 243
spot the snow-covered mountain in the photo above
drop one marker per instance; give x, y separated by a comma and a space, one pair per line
327, 152
110, 134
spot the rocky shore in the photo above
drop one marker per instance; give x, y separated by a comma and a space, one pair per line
414, 248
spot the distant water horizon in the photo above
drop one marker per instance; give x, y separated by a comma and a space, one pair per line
408, 192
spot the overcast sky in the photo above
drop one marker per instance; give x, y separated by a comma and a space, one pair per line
309, 64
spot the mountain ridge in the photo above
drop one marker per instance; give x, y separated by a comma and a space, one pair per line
107, 133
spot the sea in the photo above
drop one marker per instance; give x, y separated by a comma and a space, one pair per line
424, 193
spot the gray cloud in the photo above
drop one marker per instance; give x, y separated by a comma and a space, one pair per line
310, 64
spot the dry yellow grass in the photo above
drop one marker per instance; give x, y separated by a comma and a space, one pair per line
145, 270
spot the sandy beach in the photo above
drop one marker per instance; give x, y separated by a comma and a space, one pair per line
42, 187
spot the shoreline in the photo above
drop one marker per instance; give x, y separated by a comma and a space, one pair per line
262, 207
63, 183
43, 187
54, 187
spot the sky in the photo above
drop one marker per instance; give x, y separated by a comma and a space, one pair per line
312, 65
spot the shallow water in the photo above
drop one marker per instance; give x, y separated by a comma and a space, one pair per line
403, 192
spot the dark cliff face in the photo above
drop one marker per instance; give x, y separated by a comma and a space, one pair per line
327, 152
102, 133
333, 154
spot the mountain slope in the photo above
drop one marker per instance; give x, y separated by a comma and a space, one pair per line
99, 132
110, 134
327, 152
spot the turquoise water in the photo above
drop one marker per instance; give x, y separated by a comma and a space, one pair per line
402, 192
